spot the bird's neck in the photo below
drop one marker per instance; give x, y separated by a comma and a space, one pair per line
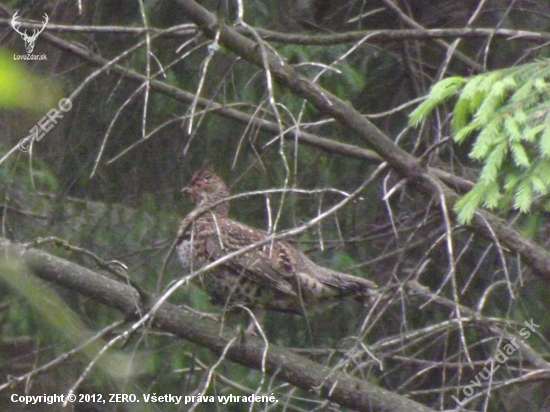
221, 209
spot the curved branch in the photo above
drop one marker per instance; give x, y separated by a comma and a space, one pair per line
533, 254
375, 36
279, 362
310, 139
321, 99
347, 116
387, 36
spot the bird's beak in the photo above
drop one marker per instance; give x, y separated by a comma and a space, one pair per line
185, 190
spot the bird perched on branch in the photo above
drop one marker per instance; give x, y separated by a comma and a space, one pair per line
273, 276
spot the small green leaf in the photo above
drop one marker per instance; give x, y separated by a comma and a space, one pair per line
523, 196
512, 129
520, 118
439, 93
493, 100
511, 182
525, 91
492, 196
540, 85
519, 155
461, 115
464, 133
544, 142
489, 172
542, 171
489, 136
538, 185
466, 206
530, 134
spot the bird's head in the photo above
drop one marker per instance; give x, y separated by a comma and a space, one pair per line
206, 188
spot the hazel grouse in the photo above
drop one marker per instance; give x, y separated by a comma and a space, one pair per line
273, 276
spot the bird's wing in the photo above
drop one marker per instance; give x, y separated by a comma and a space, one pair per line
271, 265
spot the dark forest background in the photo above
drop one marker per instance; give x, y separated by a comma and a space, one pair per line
156, 92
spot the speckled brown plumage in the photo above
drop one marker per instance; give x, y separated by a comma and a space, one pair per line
274, 276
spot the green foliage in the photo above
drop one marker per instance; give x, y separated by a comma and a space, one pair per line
57, 318
507, 112
19, 88
439, 93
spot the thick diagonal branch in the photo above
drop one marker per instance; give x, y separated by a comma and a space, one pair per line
406, 164
283, 364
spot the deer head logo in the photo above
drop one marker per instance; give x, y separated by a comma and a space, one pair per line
29, 40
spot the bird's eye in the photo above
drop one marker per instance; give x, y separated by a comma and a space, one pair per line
201, 182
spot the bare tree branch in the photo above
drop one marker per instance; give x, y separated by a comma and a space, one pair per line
249, 351
345, 114
375, 36
321, 143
